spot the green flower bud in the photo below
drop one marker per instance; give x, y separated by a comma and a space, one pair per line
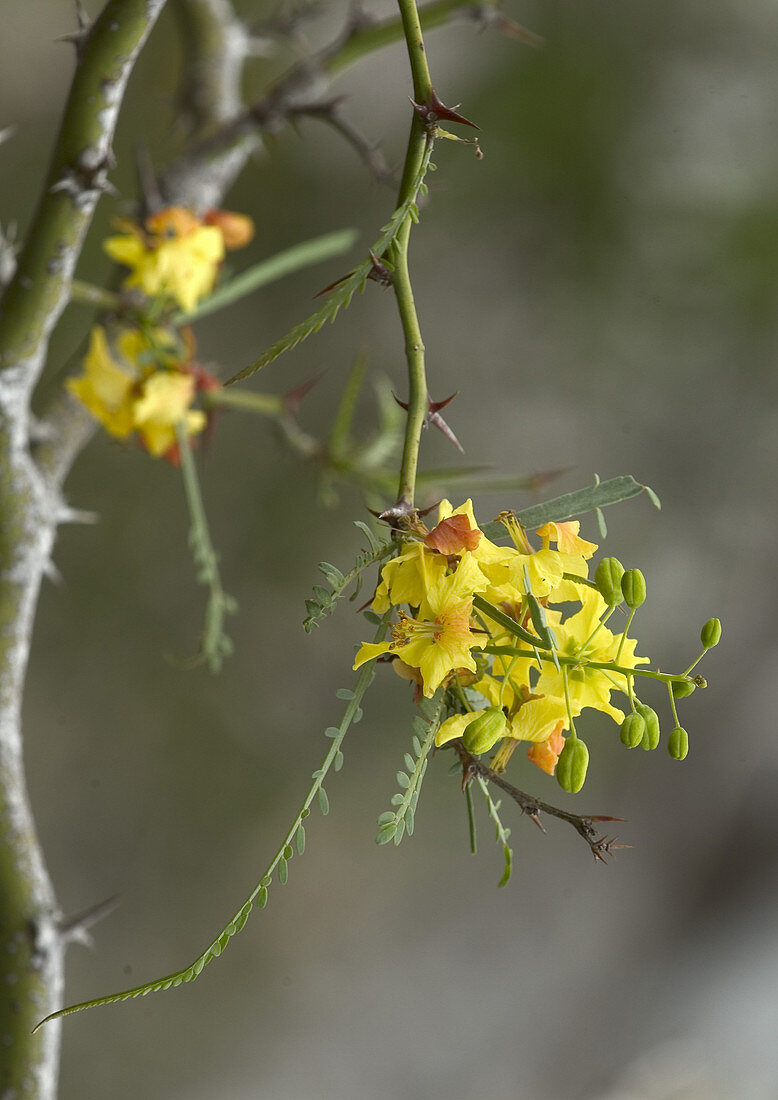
633, 585
651, 718
681, 689
678, 743
632, 729
485, 730
710, 634
607, 577
572, 764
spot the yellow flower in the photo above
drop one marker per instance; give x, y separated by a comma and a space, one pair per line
126, 392
582, 635
440, 639
105, 388
537, 719
164, 402
408, 578
567, 539
481, 548
178, 257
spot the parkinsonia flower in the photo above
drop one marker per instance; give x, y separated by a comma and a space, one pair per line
139, 386
438, 640
177, 254
481, 621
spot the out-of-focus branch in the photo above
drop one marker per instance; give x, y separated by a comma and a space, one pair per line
216, 46
370, 152
31, 941
304, 85
600, 846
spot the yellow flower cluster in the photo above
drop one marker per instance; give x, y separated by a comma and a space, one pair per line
176, 254
534, 665
138, 387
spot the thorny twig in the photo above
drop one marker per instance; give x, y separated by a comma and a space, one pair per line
370, 152
601, 846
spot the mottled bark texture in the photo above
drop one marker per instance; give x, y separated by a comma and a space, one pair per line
31, 941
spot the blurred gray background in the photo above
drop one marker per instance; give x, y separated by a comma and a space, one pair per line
601, 290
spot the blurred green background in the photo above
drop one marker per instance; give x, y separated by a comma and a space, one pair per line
601, 290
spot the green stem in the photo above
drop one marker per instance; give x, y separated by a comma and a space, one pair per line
268, 404
625, 631
367, 39
215, 645
567, 702
89, 295
414, 351
414, 41
672, 704
665, 677
419, 143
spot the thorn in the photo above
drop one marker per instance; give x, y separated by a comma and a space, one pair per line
534, 817
332, 286
78, 38
84, 179
292, 398
75, 929
434, 110
436, 419
433, 417
488, 17
399, 511
469, 772
379, 273
76, 515
51, 573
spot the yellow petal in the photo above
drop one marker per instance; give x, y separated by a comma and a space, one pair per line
369, 651
455, 726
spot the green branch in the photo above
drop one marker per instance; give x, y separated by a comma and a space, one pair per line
368, 38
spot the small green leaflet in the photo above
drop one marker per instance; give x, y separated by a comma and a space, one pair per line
339, 297
575, 504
